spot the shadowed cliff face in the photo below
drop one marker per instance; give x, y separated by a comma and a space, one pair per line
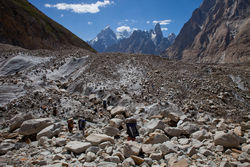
216, 33
21, 24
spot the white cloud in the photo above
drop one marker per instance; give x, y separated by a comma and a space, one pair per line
62, 15
162, 22
81, 7
148, 22
90, 23
123, 28
164, 29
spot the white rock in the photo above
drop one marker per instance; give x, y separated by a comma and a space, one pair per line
116, 122
90, 157
168, 147
131, 148
96, 139
246, 148
109, 150
226, 139
156, 138
60, 141
154, 124
77, 147
34, 126
200, 135
118, 110
50, 131
89, 164
107, 164
189, 127
148, 148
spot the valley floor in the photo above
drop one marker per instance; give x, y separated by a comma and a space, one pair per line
187, 114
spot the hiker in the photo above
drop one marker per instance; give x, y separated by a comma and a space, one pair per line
54, 111
132, 129
70, 124
82, 124
104, 103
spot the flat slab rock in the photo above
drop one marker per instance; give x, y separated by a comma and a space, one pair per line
96, 139
34, 126
226, 139
77, 147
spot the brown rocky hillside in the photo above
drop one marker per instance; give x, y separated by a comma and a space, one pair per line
22, 24
218, 32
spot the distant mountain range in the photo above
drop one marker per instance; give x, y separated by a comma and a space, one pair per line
146, 42
22, 24
218, 32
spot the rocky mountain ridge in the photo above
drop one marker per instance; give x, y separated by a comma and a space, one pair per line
145, 42
218, 32
24, 25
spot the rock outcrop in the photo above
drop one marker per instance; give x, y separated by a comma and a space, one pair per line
24, 25
218, 32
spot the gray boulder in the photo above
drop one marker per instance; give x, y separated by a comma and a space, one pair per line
226, 139
174, 131
154, 124
77, 147
17, 121
111, 131
50, 131
34, 126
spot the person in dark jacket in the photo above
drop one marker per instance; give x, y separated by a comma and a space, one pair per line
132, 129
82, 124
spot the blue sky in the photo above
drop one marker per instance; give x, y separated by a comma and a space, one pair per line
86, 18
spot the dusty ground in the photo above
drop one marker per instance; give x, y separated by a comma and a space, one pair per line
74, 83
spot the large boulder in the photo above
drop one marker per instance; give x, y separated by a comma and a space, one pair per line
156, 138
77, 147
96, 139
174, 131
111, 131
131, 148
226, 139
116, 122
167, 147
34, 126
50, 131
154, 124
17, 120
189, 127
200, 135
118, 110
